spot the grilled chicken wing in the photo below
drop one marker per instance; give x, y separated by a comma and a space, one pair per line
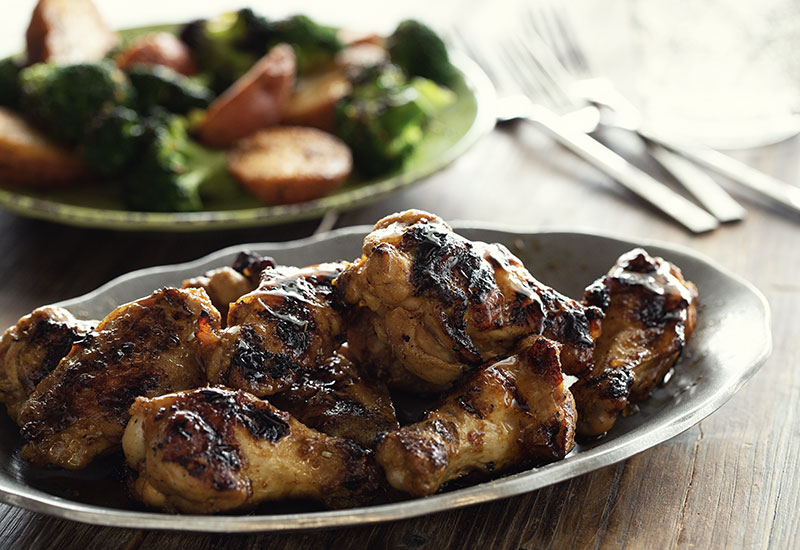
146, 347
32, 348
227, 284
512, 413
336, 398
287, 324
650, 312
444, 305
214, 449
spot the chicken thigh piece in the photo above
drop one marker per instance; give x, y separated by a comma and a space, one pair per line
650, 313
284, 326
337, 398
444, 305
516, 412
213, 449
32, 348
147, 347
227, 284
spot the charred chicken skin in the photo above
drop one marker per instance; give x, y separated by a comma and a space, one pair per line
147, 347
441, 305
339, 399
32, 348
650, 312
515, 412
227, 284
281, 342
214, 449
284, 326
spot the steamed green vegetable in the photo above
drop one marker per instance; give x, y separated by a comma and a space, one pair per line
159, 86
172, 172
314, 45
385, 116
226, 46
112, 140
10, 93
419, 51
65, 98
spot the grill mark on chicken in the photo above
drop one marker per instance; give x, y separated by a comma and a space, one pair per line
254, 362
443, 305
145, 347
294, 322
57, 338
649, 314
337, 399
285, 325
446, 266
32, 348
86, 375
443, 261
251, 264
215, 449
512, 413
200, 433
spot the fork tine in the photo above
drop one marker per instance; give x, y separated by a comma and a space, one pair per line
542, 64
572, 42
530, 86
551, 22
479, 54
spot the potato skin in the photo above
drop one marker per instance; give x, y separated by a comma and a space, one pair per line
290, 164
253, 102
68, 31
28, 157
314, 100
159, 48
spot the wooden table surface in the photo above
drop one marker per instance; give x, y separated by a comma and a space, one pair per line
729, 481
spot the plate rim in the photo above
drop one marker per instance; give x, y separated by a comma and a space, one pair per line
475, 80
618, 449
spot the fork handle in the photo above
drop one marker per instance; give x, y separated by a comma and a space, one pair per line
784, 193
697, 181
638, 182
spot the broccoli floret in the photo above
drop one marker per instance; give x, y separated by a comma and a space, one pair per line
161, 86
419, 51
314, 45
383, 119
113, 140
65, 98
9, 82
228, 45
173, 173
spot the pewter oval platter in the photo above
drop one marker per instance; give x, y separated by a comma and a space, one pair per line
730, 343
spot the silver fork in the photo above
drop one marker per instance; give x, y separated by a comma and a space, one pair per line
550, 38
554, 26
508, 65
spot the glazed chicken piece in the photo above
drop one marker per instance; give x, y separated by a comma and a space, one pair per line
338, 399
284, 326
227, 284
147, 347
281, 342
367, 349
32, 348
650, 313
214, 449
516, 412
444, 305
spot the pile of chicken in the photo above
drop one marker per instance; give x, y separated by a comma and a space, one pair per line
259, 382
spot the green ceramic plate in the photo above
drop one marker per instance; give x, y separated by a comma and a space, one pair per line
450, 135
